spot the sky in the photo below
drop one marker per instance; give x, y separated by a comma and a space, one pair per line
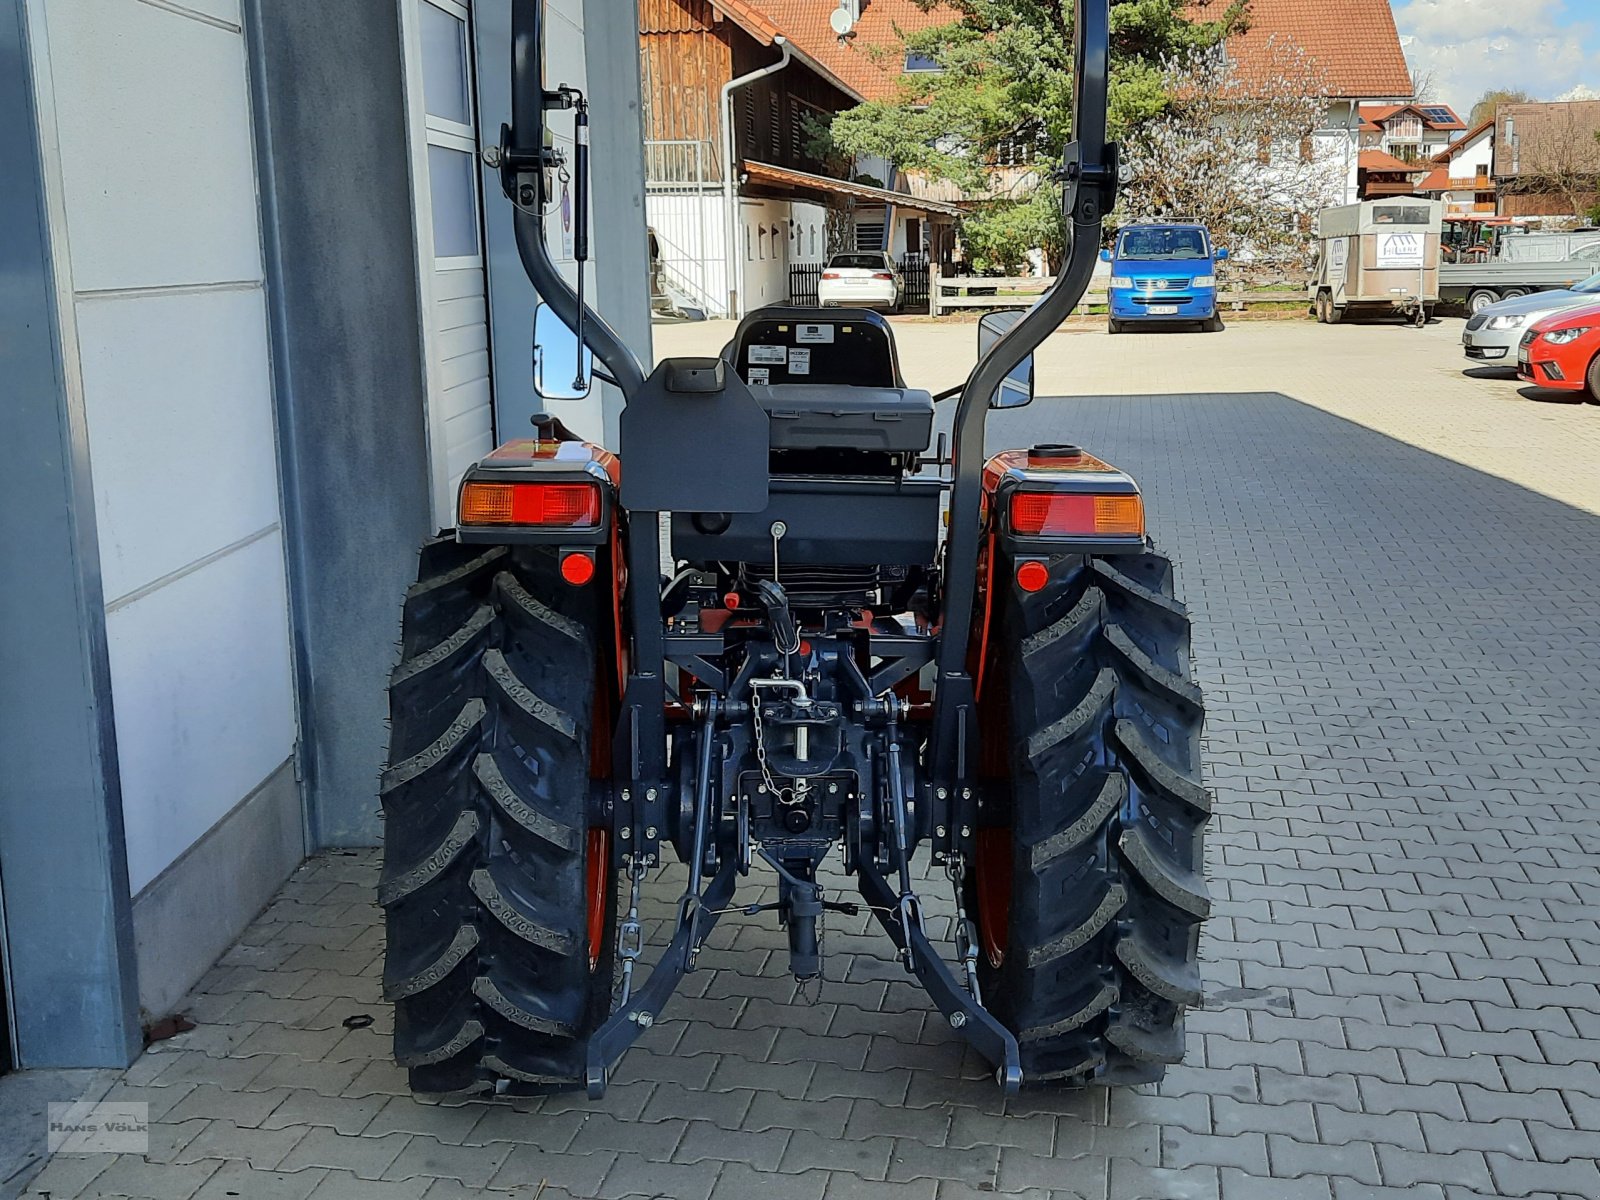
1548, 48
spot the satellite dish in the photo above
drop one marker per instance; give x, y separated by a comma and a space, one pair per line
842, 20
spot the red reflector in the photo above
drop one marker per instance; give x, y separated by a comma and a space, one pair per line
553, 505
1032, 576
1076, 514
577, 568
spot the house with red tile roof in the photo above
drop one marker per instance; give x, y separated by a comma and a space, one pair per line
1398, 143
1462, 174
1356, 46
1547, 158
736, 195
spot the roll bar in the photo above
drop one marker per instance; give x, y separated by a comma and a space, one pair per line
1089, 176
524, 157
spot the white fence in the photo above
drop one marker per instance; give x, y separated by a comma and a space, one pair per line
687, 214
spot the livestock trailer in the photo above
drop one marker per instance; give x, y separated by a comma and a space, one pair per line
1378, 256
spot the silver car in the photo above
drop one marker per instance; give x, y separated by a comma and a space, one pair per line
1491, 335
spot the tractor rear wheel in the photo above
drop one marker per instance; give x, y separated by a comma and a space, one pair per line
497, 888
1090, 894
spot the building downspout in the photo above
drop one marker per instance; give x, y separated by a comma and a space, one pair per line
730, 199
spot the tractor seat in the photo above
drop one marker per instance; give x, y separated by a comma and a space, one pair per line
829, 379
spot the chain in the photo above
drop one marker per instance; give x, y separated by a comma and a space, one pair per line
782, 795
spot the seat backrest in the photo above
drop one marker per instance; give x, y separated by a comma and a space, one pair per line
833, 346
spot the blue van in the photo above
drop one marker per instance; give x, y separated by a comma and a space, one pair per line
1162, 274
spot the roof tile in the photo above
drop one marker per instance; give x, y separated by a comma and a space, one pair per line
1355, 41
870, 61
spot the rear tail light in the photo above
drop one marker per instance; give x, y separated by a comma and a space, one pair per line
832, 275
1076, 514
882, 275
548, 505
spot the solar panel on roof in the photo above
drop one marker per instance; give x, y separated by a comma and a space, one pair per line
1442, 115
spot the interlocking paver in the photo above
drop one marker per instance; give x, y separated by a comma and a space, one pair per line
430, 1158
263, 1149
364, 1157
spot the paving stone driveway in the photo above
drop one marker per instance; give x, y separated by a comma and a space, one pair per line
1401, 658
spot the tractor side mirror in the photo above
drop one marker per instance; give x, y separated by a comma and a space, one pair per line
1016, 389
1222, 254
562, 370
1105, 256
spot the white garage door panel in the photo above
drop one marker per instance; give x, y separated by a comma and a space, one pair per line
456, 284
221, 10
177, 392
154, 127
473, 394
466, 433
457, 314
457, 371
204, 702
466, 339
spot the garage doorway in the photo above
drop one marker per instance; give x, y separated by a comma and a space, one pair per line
449, 231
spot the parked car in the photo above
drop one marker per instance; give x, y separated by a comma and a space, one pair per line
1161, 274
1563, 352
1494, 332
862, 279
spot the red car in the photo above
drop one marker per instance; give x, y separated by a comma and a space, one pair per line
1563, 352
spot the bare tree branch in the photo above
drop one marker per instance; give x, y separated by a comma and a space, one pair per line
1237, 152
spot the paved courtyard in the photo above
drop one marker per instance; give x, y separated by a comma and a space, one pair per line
1394, 574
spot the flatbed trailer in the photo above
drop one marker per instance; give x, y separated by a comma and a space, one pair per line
1478, 285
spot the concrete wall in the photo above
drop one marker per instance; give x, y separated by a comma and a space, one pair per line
346, 321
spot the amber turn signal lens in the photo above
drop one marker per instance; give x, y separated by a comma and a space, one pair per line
1076, 514
550, 505
1032, 576
577, 568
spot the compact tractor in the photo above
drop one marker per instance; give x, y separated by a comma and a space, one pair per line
857, 647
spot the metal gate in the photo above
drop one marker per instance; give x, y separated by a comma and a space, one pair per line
803, 279
914, 271
688, 227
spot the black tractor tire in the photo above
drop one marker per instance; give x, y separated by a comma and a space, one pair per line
1103, 844
486, 889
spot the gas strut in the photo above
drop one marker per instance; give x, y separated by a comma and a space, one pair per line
580, 232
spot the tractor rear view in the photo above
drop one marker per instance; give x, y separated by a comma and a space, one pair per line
858, 648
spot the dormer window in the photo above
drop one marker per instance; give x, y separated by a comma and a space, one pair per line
917, 61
